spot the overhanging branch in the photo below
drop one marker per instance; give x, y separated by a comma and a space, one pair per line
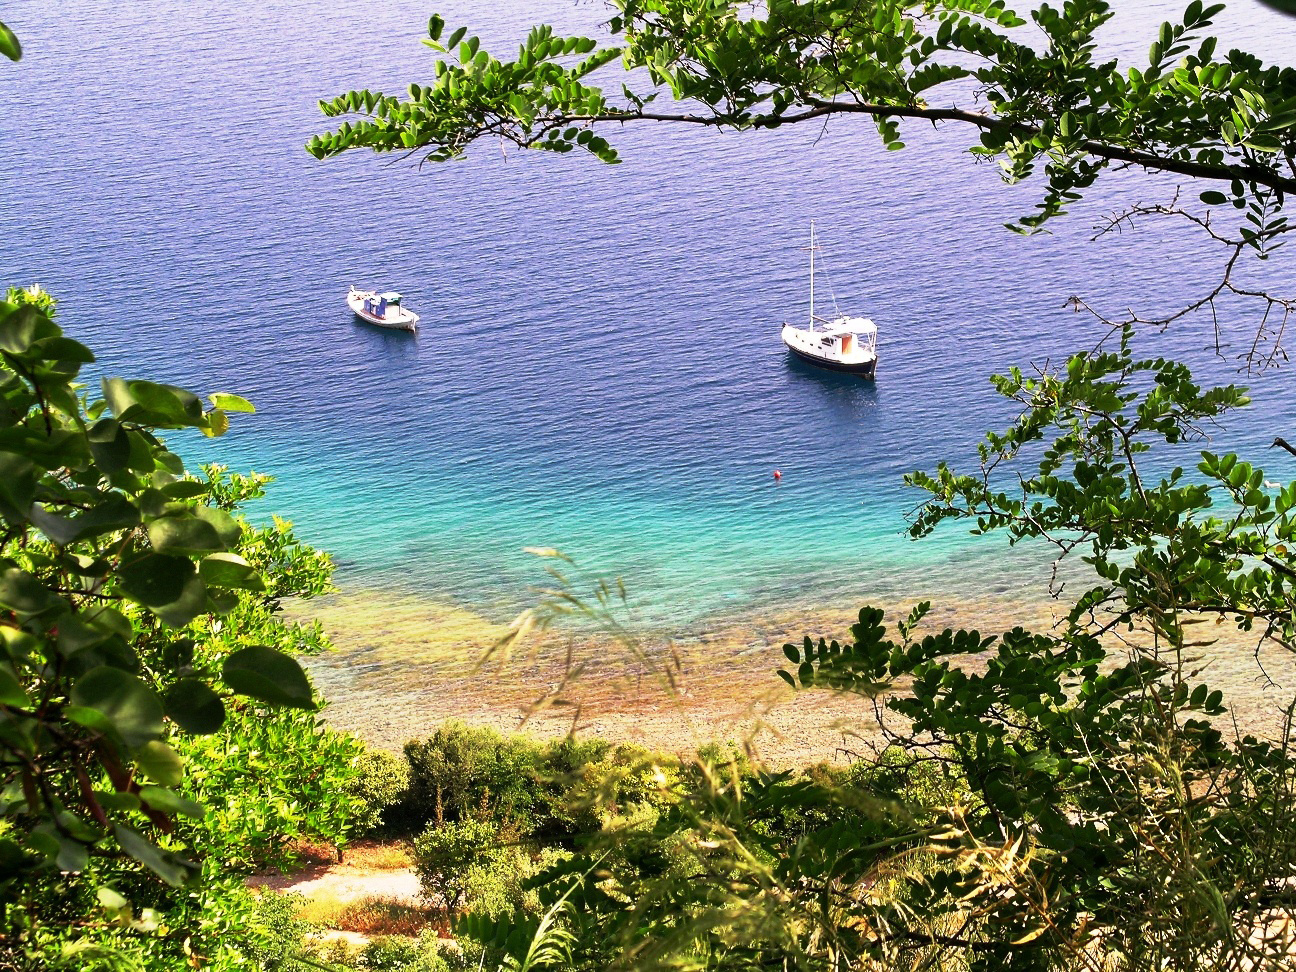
819, 109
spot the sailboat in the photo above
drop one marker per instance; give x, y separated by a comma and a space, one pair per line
840, 343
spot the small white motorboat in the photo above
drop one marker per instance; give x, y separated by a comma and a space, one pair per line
841, 343
385, 310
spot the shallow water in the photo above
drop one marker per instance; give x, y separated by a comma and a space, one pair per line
599, 369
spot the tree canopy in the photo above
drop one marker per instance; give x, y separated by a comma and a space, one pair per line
1042, 97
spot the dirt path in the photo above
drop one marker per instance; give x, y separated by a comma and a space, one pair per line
344, 882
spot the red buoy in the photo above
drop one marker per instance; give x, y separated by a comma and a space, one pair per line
777, 474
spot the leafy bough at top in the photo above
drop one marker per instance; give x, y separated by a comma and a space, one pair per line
107, 550
1187, 111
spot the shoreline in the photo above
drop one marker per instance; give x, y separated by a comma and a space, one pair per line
403, 665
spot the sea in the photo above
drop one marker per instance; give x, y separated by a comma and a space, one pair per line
598, 369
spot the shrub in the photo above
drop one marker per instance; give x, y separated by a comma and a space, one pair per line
145, 666
381, 785
389, 953
559, 792
278, 931
447, 858
724, 759
466, 773
393, 953
580, 798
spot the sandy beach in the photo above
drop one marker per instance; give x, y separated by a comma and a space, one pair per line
404, 665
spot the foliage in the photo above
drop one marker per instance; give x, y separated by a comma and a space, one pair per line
463, 772
558, 793
381, 785
277, 917
1060, 799
268, 781
9, 45
392, 954
458, 857
1049, 99
145, 670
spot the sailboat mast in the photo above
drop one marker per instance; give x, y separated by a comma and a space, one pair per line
812, 249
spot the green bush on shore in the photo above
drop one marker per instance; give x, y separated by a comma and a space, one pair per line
556, 792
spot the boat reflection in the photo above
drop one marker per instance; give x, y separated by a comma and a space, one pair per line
845, 395
383, 342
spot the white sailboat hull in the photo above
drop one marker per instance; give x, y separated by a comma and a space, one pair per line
814, 347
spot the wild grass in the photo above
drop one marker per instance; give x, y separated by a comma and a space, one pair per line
372, 916
380, 855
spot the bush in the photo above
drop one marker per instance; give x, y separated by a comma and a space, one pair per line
381, 785
449, 859
464, 773
578, 799
278, 931
394, 953
558, 792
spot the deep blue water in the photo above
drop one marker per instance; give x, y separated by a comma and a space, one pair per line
599, 368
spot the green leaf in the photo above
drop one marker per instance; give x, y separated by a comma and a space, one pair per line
122, 802
195, 707
149, 402
19, 327
129, 705
184, 489
15, 644
231, 403
192, 602
11, 690
1213, 197
183, 533
110, 445
64, 349
113, 513
168, 801
111, 901
155, 579
170, 867
217, 424
160, 763
9, 45
230, 571
91, 719
226, 527
60, 530
75, 635
24, 593
72, 855
18, 478
268, 675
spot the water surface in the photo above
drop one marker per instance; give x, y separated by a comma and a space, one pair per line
599, 368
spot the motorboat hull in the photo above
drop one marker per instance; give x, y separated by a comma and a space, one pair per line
406, 321
865, 369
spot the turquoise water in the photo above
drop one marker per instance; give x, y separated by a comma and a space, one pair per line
599, 368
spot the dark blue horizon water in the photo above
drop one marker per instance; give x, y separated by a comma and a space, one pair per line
599, 367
